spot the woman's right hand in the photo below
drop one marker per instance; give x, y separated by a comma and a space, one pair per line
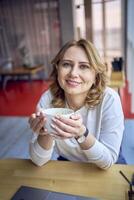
37, 122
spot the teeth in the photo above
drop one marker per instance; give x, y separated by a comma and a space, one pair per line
73, 81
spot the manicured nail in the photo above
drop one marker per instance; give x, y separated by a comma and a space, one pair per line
45, 130
54, 119
38, 114
57, 116
53, 125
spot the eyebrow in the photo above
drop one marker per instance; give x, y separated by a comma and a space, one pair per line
67, 60
81, 62
85, 63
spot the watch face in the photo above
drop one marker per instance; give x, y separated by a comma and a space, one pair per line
81, 139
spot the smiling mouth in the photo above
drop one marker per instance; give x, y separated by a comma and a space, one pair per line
73, 83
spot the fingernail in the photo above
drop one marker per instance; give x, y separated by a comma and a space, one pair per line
54, 119
53, 125
57, 116
38, 114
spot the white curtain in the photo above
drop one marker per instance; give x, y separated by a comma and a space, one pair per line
130, 50
29, 32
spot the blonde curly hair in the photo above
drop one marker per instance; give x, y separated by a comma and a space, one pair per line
95, 93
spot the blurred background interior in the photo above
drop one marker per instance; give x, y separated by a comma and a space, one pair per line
31, 33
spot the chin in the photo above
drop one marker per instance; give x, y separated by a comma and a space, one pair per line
73, 91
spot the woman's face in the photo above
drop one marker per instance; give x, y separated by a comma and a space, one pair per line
75, 75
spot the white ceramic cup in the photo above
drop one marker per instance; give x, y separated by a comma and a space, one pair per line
52, 112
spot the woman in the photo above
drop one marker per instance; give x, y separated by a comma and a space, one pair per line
94, 133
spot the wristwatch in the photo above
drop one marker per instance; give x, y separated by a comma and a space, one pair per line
83, 137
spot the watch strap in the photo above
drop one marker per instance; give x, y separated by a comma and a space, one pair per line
86, 132
82, 138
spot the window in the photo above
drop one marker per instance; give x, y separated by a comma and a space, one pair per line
29, 32
107, 28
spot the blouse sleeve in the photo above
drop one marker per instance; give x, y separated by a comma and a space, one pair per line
38, 154
105, 151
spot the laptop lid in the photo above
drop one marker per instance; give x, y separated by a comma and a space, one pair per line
30, 193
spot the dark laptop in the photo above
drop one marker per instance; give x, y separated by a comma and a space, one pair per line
30, 193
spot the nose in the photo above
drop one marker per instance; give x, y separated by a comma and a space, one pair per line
74, 71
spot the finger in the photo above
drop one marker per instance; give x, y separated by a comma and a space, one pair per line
70, 122
75, 116
38, 114
39, 124
38, 109
61, 133
43, 131
33, 116
64, 127
36, 119
42, 114
34, 122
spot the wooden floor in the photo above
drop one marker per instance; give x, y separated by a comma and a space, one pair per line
14, 137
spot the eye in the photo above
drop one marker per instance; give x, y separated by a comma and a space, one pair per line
83, 66
66, 64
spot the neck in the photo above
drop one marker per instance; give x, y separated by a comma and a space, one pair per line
75, 102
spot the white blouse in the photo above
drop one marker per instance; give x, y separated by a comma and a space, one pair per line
105, 122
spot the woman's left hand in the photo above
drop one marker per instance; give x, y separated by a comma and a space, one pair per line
68, 128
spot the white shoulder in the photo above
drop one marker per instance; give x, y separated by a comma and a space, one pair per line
111, 92
111, 102
111, 95
45, 100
